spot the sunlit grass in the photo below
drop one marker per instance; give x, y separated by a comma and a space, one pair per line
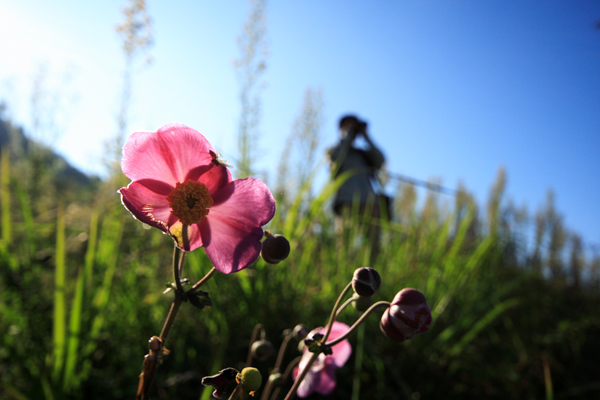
76, 316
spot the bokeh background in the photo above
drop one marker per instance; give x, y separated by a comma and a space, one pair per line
496, 101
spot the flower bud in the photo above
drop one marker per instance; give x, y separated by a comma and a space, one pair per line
300, 331
275, 248
250, 378
408, 315
276, 378
366, 281
262, 349
362, 303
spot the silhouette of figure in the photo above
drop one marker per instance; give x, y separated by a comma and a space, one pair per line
357, 191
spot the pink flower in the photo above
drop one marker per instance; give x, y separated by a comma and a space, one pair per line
321, 376
408, 315
180, 187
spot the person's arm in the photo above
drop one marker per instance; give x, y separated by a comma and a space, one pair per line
374, 155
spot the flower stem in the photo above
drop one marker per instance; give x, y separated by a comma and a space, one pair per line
343, 306
332, 318
334, 311
359, 321
286, 340
236, 393
285, 376
257, 328
202, 281
282, 349
178, 257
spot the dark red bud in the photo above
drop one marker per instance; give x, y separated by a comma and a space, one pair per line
275, 248
366, 281
262, 349
408, 315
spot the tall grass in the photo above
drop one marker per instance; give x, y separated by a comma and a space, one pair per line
81, 292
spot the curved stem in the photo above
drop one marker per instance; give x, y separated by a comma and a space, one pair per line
280, 355
257, 328
282, 349
334, 311
359, 321
236, 393
202, 281
285, 376
332, 318
178, 258
343, 306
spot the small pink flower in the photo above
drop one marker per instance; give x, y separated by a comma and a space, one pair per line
180, 187
407, 316
321, 377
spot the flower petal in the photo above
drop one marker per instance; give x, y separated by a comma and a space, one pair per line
232, 230
166, 155
147, 201
327, 380
214, 177
309, 383
342, 350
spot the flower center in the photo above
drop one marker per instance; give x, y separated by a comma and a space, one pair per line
190, 202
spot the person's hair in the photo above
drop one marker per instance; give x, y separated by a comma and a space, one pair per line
348, 118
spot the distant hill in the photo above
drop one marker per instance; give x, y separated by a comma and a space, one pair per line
22, 147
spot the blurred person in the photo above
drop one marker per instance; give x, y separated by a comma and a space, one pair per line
357, 196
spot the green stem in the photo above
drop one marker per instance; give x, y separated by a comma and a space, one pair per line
237, 393
178, 256
257, 328
334, 311
202, 281
280, 355
343, 306
360, 344
332, 318
359, 321
282, 349
285, 376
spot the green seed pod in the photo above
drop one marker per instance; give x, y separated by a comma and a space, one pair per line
251, 379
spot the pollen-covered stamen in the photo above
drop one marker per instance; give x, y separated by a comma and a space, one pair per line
190, 202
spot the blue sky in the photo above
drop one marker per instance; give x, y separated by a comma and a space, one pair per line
451, 89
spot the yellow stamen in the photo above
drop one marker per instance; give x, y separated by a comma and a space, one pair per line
190, 202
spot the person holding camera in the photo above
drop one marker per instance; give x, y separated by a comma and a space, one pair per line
357, 198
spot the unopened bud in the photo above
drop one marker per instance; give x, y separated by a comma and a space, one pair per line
276, 379
362, 303
408, 315
262, 349
300, 331
250, 378
366, 281
275, 248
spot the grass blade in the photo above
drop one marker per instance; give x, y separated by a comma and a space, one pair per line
58, 337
